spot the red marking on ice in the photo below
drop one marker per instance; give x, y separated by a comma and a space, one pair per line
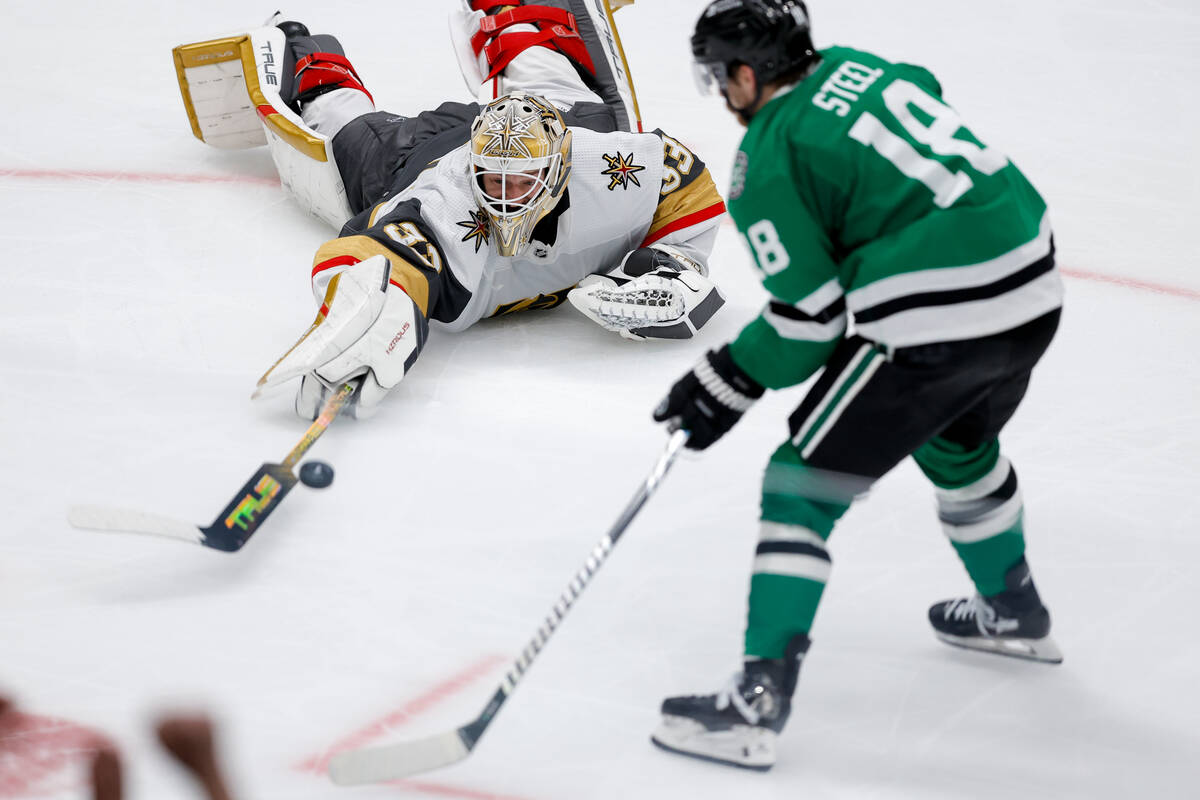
442, 790
401, 716
175, 177
44, 756
134, 177
1133, 283
418, 705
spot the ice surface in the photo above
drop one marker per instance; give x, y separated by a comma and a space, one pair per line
148, 280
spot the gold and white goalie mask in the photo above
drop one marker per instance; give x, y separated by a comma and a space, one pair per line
520, 160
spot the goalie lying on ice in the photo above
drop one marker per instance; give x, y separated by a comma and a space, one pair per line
546, 193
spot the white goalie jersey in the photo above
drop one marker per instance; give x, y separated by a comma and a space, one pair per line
626, 191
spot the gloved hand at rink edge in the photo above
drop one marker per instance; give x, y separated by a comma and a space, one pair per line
710, 399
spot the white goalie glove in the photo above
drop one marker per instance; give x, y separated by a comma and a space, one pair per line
368, 331
658, 292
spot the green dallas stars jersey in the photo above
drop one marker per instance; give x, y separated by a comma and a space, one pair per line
860, 191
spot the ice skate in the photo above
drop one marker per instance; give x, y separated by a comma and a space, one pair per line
739, 724
1012, 622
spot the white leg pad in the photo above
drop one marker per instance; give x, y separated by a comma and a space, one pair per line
230, 88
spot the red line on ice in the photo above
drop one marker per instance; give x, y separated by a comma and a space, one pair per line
179, 177
1133, 283
40, 756
442, 790
139, 177
401, 716
413, 708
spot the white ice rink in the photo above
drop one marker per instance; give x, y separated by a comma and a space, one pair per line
148, 280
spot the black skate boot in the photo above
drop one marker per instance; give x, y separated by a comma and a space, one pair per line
313, 64
1012, 623
292, 29
739, 724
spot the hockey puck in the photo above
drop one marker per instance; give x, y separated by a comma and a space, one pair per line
316, 474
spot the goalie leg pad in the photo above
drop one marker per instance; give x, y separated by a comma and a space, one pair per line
565, 50
231, 90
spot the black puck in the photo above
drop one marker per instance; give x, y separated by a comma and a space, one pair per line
316, 474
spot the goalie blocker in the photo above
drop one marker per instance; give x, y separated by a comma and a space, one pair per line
368, 330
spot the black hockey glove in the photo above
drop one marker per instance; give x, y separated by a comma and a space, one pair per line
710, 399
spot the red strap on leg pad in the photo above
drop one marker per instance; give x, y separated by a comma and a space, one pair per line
558, 30
490, 27
327, 70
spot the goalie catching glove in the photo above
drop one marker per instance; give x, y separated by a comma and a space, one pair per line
368, 331
657, 292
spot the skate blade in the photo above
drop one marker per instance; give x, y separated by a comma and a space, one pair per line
743, 746
1044, 649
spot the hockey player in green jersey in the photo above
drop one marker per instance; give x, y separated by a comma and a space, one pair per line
914, 264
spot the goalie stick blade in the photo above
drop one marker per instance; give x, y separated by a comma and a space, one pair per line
244, 515
249, 508
231, 529
400, 760
106, 518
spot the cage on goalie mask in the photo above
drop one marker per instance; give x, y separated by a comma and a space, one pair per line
520, 161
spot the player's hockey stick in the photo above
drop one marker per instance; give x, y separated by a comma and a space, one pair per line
391, 762
244, 514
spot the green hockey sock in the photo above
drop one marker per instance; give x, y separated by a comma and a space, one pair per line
979, 505
800, 506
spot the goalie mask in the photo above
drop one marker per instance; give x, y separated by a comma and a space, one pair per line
520, 160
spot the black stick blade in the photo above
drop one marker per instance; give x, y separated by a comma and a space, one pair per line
249, 508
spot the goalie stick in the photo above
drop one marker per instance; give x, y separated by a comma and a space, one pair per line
391, 762
241, 518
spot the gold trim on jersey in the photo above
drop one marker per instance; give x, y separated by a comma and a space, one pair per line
542, 301
697, 196
403, 274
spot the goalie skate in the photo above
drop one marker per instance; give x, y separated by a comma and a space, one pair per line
1011, 623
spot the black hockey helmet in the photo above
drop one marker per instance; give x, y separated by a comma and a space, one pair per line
772, 37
